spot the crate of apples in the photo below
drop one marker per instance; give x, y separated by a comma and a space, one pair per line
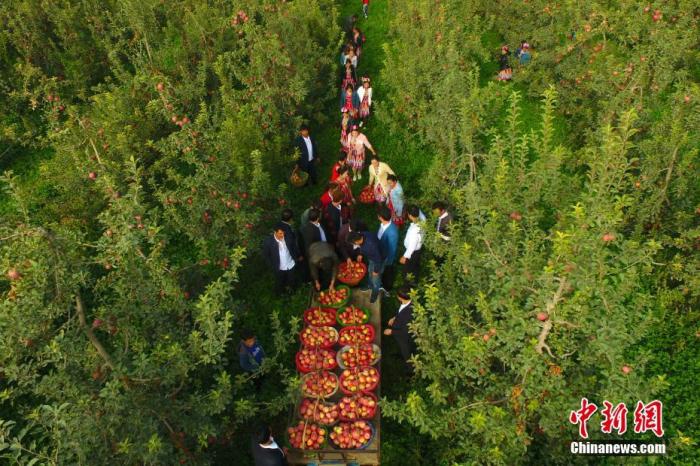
320, 384
367, 195
334, 298
318, 337
366, 354
315, 359
352, 435
356, 334
359, 379
360, 406
322, 412
307, 436
320, 316
351, 273
352, 315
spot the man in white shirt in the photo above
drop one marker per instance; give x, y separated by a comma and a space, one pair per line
398, 327
308, 153
279, 253
414, 247
266, 451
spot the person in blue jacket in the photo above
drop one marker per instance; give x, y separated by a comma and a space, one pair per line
388, 236
251, 355
367, 245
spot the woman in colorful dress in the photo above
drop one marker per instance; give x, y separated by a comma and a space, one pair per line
349, 102
345, 124
349, 77
378, 173
342, 162
345, 184
364, 95
349, 56
356, 144
506, 72
395, 200
357, 39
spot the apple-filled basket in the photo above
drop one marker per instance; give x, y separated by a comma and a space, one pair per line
319, 384
352, 435
365, 354
358, 380
356, 334
319, 337
307, 435
357, 407
352, 315
367, 195
351, 274
315, 359
326, 413
336, 298
318, 316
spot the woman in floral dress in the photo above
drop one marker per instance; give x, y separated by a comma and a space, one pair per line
364, 95
349, 102
356, 145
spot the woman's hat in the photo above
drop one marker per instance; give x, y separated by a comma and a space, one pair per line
365, 79
354, 128
526, 45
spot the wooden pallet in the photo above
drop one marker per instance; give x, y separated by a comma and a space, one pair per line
332, 456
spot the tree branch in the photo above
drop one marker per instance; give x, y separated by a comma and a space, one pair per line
90, 334
547, 326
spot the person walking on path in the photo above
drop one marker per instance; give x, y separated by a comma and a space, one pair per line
364, 96
342, 162
378, 173
308, 154
358, 40
349, 103
398, 327
279, 253
365, 8
367, 245
395, 199
323, 265
413, 244
356, 144
346, 122
344, 182
505, 72
444, 219
388, 236
349, 77
266, 451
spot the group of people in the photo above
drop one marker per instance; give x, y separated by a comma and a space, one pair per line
522, 54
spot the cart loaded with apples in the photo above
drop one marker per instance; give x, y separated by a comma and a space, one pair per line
337, 417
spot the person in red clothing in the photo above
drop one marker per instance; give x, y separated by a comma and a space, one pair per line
342, 162
365, 8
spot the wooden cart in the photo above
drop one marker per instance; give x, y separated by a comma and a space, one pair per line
333, 456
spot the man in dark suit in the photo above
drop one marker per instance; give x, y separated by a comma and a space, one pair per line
335, 216
266, 451
308, 154
388, 235
444, 219
313, 231
279, 252
367, 246
398, 327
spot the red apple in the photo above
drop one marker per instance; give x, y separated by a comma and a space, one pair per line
608, 237
92, 175
96, 323
686, 99
486, 337
626, 369
542, 316
13, 274
160, 87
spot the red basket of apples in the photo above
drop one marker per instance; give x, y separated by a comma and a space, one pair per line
366, 354
307, 436
352, 273
319, 411
318, 337
352, 315
356, 334
359, 379
356, 407
367, 195
320, 316
315, 359
334, 298
322, 384
354, 435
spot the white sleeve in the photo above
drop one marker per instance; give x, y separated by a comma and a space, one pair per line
411, 244
369, 96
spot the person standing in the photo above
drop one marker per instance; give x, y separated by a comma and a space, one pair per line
505, 72
266, 452
395, 199
335, 216
345, 184
364, 96
444, 219
308, 154
279, 253
315, 204
349, 79
342, 162
365, 8
378, 173
313, 231
358, 40
332, 192
398, 327
343, 246
251, 355
323, 265
367, 245
413, 242
356, 144
287, 220
349, 103
388, 236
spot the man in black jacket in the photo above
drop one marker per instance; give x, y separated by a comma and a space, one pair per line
313, 231
308, 154
398, 326
266, 452
279, 252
